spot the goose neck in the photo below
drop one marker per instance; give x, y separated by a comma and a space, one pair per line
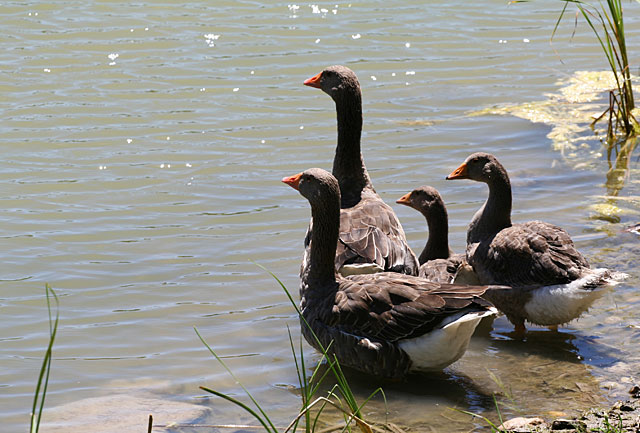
437, 246
348, 164
495, 214
324, 240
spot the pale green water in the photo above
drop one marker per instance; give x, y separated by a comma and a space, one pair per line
142, 165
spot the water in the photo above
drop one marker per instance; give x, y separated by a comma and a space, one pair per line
143, 149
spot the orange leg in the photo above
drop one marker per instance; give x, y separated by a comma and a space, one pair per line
520, 328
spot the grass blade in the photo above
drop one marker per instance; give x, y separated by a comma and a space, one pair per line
43, 377
494, 428
333, 364
240, 404
266, 418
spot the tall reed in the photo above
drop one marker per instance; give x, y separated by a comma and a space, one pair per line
606, 22
608, 26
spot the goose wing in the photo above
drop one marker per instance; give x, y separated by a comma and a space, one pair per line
371, 233
392, 307
530, 254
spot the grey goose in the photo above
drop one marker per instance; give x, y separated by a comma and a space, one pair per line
371, 237
386, 324
552, 283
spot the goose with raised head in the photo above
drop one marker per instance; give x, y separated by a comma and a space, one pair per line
437, 262
386, 324
552, 282
371, 237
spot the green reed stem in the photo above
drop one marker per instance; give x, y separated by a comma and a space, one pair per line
43, 377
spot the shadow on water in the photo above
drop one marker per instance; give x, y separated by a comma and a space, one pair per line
425, 402
563, 345
545, 372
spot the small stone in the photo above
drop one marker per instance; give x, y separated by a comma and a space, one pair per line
522, 424
568, 424
598, 413
624, 407
635, 391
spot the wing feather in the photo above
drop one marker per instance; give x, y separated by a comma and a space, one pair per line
391, 307
530, 254
371, 233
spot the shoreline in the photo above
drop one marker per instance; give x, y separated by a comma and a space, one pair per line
621, 417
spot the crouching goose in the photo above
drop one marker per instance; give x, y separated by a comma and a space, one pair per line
371, 237
552, 282
386, 324
437, 261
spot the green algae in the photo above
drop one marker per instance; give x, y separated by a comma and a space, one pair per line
570, 112
581, 142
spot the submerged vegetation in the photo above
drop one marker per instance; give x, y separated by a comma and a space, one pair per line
568, 112
622, 127
618, 419
607, 24
339, 396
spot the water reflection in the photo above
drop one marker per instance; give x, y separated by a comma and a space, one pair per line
546, 370
420, 402
564, 345
619, 167
545, 373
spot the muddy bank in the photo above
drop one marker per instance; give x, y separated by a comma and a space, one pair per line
622, 417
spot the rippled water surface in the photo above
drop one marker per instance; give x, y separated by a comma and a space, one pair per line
143, 146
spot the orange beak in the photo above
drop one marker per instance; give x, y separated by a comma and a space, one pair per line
314, 81
293, 181
459, 173
405, 199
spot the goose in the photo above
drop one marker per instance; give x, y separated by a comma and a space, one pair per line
552, 283
371, 237
385, 324
437, 262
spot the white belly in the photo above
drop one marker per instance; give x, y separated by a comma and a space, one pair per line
441, 347
561, 303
